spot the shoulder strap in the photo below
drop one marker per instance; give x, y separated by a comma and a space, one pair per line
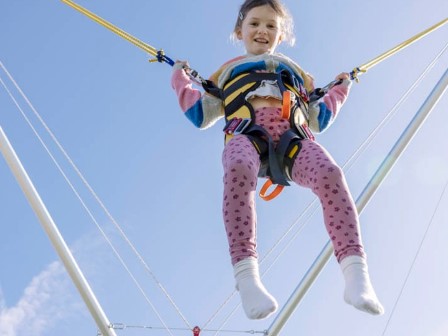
212, 89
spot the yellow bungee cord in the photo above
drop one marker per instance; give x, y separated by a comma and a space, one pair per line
159, 55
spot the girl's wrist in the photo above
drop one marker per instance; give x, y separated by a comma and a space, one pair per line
347, 83
178, 66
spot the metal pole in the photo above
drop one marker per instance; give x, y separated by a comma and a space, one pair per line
55, 237
361, 202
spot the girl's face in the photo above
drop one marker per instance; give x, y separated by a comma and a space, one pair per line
260, 30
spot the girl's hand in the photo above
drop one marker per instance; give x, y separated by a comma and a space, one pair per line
193, 74
180, 65
343, 76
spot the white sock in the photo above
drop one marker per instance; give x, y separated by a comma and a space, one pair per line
257, 302
359, 291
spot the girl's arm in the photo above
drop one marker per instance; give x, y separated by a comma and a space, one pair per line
324, 110
202, 109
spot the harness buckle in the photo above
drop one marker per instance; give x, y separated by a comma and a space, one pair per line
236, 126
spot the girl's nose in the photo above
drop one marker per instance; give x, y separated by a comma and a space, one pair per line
262, 30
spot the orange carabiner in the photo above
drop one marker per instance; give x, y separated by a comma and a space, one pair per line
278, 189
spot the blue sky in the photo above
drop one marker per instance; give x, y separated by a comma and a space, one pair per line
117, 117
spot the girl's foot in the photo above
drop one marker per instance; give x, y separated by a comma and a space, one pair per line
359, 291
257, 302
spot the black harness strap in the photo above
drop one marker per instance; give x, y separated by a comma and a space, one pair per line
270, 165
212, 89
276, 161
283, 150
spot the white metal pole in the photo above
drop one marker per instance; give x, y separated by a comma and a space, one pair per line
55, 237
361, 202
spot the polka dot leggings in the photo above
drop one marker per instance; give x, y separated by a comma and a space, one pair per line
313, 168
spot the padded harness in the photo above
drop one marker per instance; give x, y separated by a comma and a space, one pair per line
276, 159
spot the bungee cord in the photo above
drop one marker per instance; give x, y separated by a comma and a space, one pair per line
366, 66
104, 208
417, 253
78, 196
159, 55
122, 326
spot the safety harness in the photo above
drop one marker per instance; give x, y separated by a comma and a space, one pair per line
276, 159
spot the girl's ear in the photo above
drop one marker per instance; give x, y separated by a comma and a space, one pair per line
238, 34
280, 39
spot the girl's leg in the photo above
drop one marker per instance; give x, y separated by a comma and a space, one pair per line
241, 164
315, 169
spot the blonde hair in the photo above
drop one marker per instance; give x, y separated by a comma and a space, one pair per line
287, 26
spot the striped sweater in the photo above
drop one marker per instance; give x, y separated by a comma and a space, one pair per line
203, 109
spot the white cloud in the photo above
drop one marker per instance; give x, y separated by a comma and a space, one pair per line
46, 300
51, 302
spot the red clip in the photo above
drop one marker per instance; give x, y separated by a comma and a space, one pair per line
236, 126
196, 331
232, 125
303, 94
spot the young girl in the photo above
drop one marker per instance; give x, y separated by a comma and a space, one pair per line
264, 97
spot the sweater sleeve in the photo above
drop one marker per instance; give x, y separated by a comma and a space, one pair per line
324, 110
202, 109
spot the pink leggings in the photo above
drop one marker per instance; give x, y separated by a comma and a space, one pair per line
313, 168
